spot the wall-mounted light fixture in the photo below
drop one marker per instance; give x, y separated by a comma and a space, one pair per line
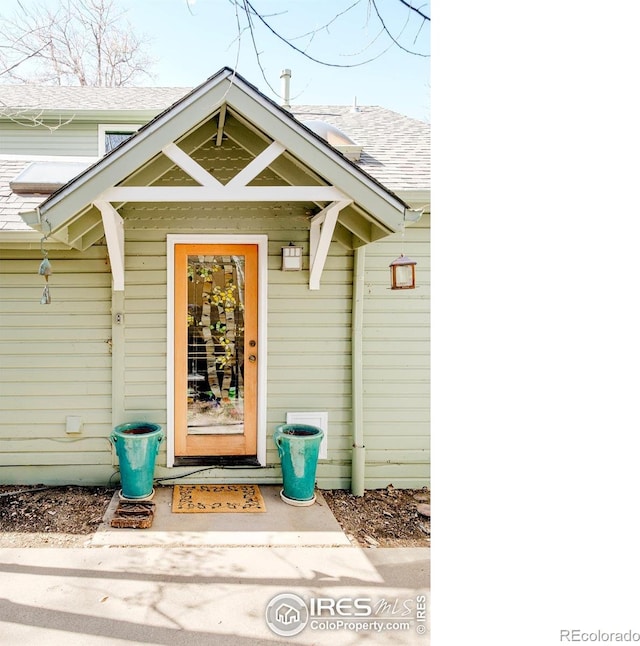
403, 273
291, 258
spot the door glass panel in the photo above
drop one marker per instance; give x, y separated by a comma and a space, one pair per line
215, 345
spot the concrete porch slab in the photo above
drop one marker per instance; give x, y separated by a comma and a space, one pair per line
281, 525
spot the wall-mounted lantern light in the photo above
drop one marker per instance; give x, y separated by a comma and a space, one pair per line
403, 273
291, 258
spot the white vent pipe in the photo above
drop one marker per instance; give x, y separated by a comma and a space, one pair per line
285, 88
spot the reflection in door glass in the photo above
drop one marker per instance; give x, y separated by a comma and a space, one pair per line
215, 349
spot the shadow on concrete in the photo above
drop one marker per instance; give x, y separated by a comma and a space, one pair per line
127, 631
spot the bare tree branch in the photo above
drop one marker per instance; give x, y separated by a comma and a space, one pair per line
80, 42
252, 13
416, 9
23, 60
384, 26
328, 24
297, 49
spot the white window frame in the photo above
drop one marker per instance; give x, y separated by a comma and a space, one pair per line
262, 241
106, 128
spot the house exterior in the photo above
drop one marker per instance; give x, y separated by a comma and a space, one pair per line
170, 300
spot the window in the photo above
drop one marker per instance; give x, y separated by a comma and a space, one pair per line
112, 135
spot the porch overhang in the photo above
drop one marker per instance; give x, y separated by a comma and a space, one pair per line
351, 207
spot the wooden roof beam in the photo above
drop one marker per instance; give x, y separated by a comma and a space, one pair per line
221, 119
222, 194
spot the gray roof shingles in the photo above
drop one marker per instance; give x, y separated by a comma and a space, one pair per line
12, 204
82, 98
396, 148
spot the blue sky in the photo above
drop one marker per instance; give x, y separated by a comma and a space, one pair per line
190, 40
193, 40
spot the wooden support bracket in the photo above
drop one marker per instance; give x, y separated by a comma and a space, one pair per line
320, 234
114, 232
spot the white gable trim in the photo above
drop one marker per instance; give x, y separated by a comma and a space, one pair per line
196, 107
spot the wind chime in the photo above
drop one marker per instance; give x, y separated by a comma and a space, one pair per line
45, 270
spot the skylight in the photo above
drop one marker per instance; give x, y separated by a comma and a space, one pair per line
46, 177
336, 138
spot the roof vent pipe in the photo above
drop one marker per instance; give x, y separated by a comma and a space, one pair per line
285, 83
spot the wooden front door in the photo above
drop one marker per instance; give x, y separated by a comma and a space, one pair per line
215, 346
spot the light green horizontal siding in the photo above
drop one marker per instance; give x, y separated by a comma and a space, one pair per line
71, 139
95, 422
309, 333
396, 365
85, 474
55, 361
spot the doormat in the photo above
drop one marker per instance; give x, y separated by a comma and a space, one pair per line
203, 499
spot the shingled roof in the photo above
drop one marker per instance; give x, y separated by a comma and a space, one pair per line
85, 98
12, 204
396, 148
